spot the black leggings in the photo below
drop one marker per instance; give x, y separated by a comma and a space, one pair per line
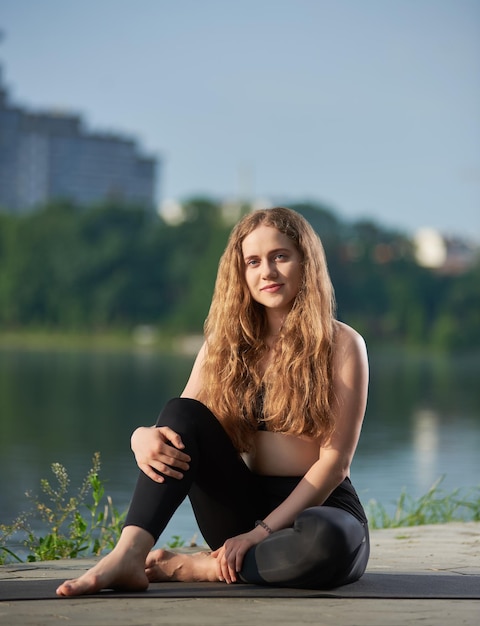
326, 546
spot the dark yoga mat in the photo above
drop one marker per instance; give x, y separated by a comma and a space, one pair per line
371, 585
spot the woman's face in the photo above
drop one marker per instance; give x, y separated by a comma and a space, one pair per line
273, 268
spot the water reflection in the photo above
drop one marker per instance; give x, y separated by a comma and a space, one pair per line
422, 423
426, 439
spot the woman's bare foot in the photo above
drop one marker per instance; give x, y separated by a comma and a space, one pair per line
110, 573
123, 568
162, 565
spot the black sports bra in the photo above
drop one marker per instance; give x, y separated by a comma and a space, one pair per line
261, 424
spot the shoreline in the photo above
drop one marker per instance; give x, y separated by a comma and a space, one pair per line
404, 544
143, 338
452, 547
151, 338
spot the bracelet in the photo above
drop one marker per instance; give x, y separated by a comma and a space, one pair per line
265, 526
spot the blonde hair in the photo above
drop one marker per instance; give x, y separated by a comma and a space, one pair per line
297, 388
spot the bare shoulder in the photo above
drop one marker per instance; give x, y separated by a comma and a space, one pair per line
348, 342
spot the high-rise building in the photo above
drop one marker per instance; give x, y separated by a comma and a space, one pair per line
46, 156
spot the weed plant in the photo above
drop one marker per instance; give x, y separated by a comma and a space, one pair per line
434, 507
77, 526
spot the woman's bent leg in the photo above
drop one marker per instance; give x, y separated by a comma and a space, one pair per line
220, 485
221, 479
326, 547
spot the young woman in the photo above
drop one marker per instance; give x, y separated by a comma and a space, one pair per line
263, 435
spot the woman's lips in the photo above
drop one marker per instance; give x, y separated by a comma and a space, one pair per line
271, 288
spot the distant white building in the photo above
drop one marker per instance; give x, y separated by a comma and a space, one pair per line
46, 156
447, 255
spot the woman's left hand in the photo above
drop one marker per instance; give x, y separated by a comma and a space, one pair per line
230, 556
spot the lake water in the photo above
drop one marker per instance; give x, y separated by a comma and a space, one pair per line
422, 422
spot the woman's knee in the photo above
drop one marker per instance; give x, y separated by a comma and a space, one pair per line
338, 542
200, 431
181, 413
330, 529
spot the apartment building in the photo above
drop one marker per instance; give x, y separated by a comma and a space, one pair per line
46, 156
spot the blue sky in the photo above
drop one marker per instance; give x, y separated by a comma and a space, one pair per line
369, 106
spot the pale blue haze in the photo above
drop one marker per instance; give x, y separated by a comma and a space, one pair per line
371, 106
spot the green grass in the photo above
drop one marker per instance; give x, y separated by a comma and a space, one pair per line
434, 507
86, 523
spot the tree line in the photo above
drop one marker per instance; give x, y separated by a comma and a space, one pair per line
114, 267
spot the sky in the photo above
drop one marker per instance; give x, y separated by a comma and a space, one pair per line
368, 107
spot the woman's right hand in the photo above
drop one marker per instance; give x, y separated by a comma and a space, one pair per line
159, 449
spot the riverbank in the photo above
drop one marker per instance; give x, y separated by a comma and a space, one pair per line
41, 339
145, 336
142, 337
449, 552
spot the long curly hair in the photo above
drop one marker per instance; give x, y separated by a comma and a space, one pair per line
296, 388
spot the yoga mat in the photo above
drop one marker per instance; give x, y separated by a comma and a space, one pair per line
371, 585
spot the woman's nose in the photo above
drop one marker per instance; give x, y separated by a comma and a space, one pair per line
269, 270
